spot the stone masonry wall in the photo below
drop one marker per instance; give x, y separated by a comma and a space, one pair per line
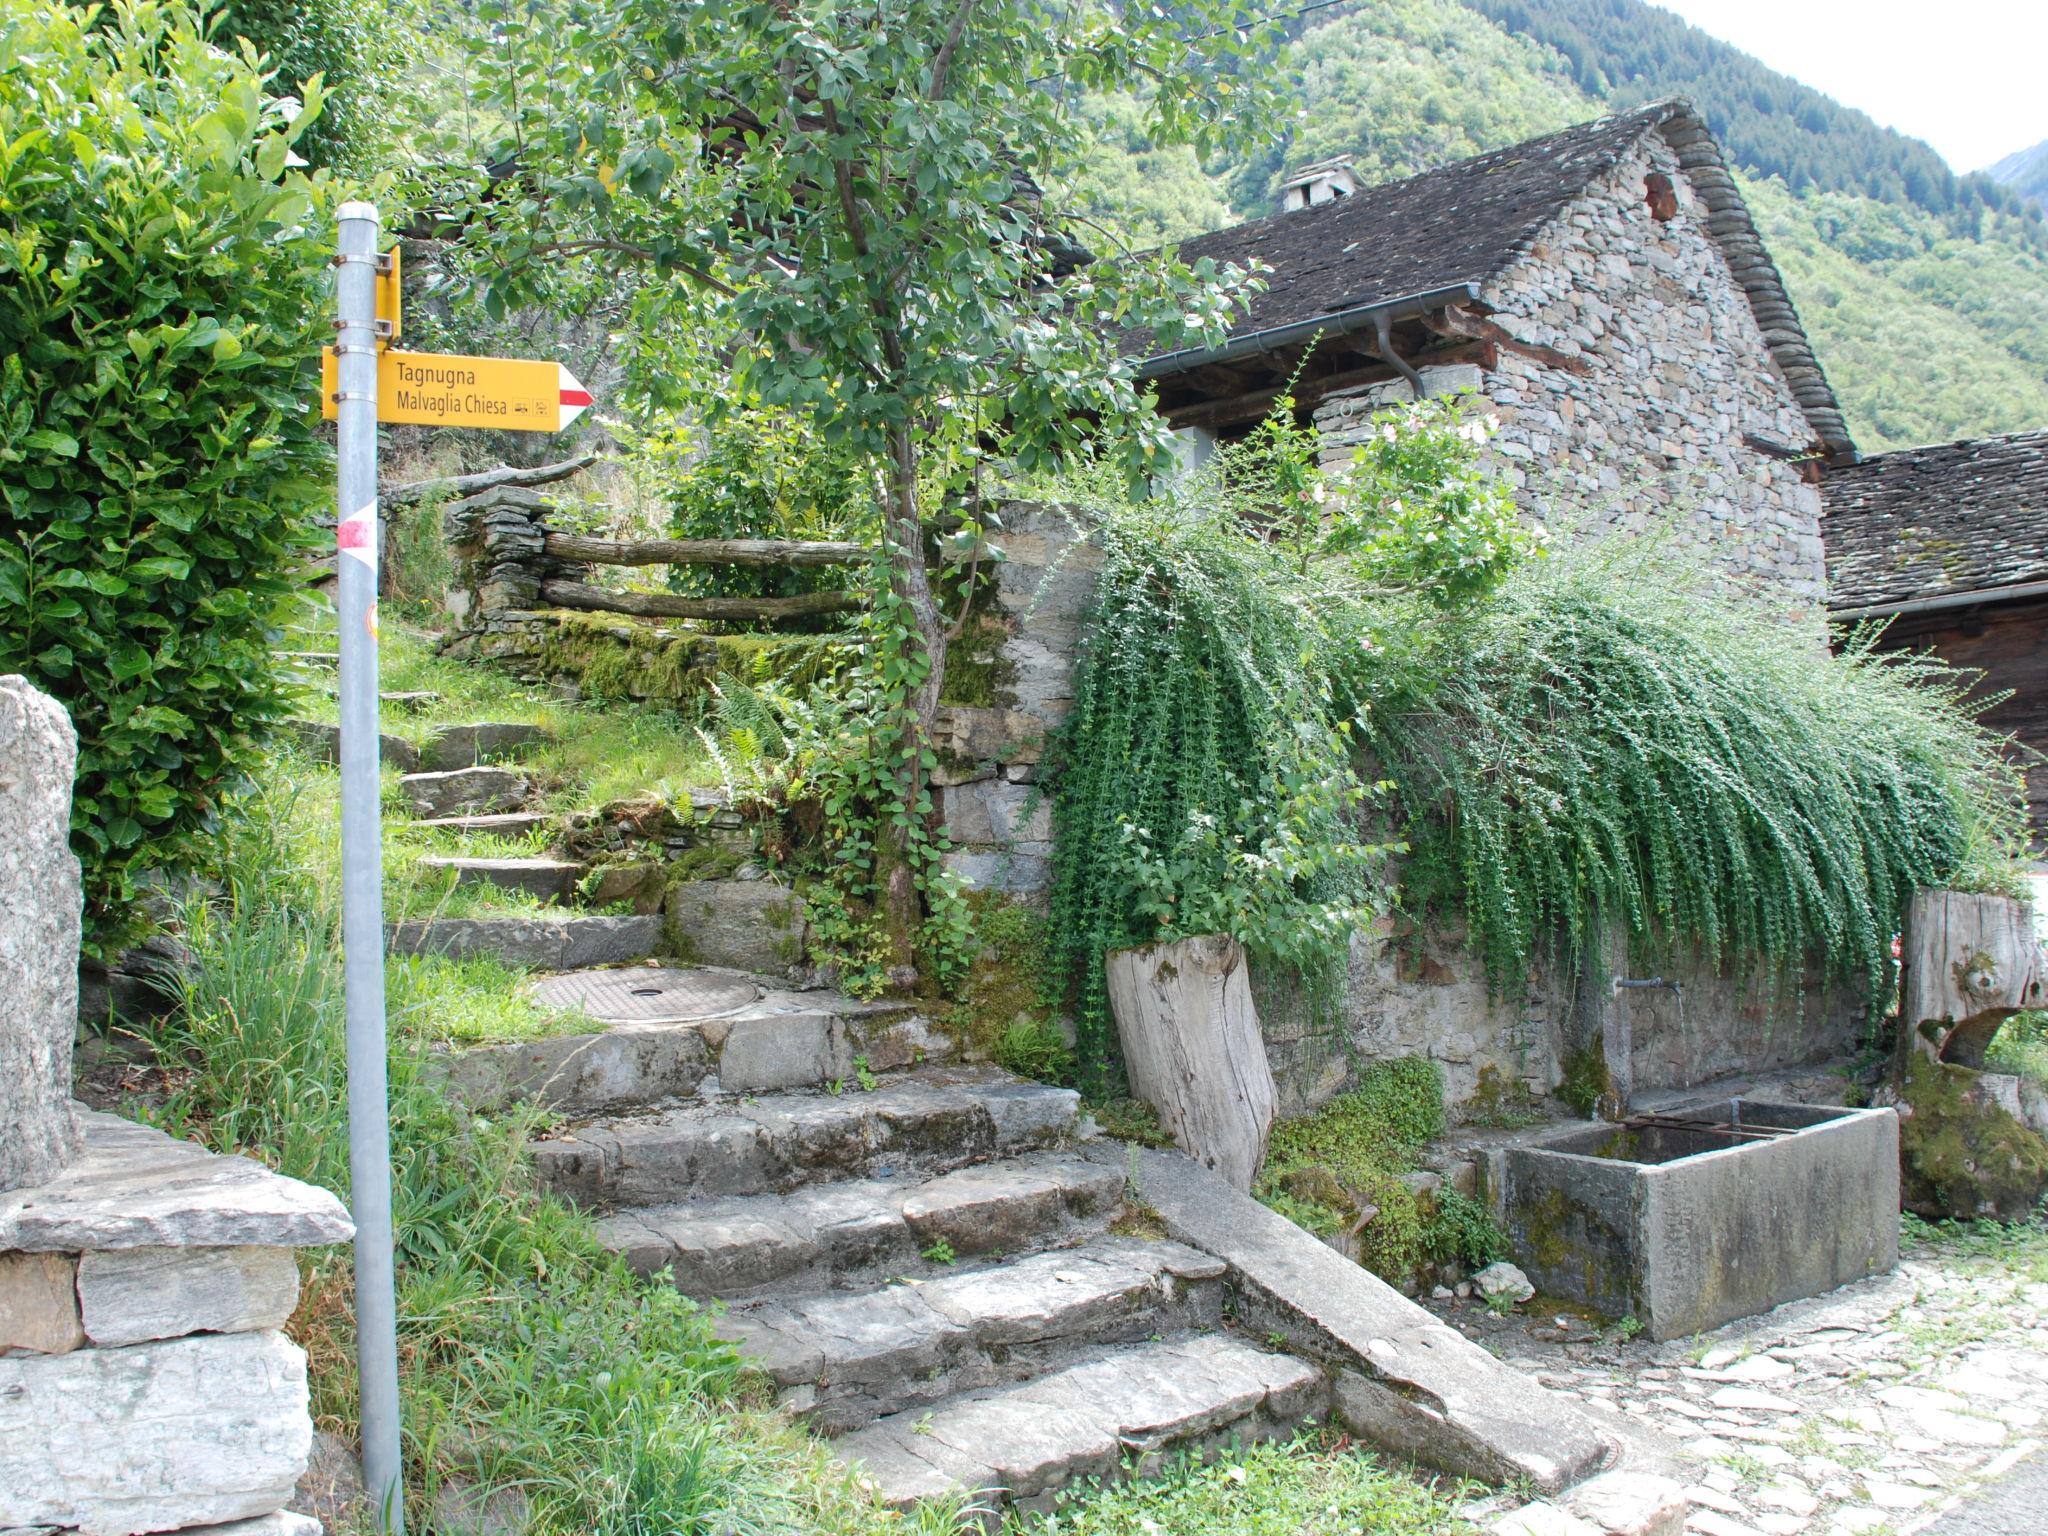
1417, 990
1677, 372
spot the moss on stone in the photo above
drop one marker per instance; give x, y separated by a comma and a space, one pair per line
1498, 1100
1962, 1156
979, 671
1007, 983
1586, 1080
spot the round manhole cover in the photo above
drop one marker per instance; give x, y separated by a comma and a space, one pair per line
645, 996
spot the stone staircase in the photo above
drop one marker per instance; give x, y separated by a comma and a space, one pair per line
924, 1268
944, 1269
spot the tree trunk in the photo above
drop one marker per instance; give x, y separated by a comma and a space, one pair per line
910, 582
1193, 1049
1970, 963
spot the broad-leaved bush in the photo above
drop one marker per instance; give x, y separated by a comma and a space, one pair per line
161, 295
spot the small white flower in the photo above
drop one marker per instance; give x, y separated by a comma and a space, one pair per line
1321, 493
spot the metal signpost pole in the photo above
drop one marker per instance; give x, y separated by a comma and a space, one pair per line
362, 862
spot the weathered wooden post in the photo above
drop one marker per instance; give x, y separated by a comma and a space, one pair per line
1192, 1048
40, 893
1970, 963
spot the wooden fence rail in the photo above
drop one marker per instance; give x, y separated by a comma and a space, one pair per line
571, 546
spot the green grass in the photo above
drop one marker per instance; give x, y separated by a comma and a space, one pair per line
1311, 1486
2021, 1047
530, 1356
596, 755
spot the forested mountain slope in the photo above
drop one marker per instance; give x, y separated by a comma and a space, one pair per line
2025, 172
1926, 293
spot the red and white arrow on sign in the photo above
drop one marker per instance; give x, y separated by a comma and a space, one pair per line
575, 398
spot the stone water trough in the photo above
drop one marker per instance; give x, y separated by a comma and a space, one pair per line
1690, 1219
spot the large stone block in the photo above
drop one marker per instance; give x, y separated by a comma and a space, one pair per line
134, 1295
134, 1187
40, 904
992, 811
196, 1431
748, 925
39, 1303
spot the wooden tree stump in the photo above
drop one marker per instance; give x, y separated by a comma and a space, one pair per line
1971, 962
1193, 1049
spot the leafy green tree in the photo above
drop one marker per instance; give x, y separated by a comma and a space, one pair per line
850, 194
160, 298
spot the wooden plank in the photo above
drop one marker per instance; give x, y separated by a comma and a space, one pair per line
571, 546
454, 487
663, 605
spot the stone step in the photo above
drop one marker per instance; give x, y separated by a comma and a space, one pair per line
468, 746
927, 1121
1124, 1410
548, 879
773, 1041
504, 824
322, 742
538, 943
842, 1360
812, 1238
464, 792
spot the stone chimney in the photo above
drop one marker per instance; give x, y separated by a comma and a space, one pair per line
1321, 182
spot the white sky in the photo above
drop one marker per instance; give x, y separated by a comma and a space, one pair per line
1965, 75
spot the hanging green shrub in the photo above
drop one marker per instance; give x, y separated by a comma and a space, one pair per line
161, 281
1609, 739
1204, 778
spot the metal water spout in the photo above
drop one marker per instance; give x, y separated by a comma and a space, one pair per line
1648, 984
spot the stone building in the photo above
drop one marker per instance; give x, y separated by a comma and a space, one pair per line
1949, 547
1605, 291
1603, 288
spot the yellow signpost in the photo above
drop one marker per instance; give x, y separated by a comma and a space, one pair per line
388, 272
439, 389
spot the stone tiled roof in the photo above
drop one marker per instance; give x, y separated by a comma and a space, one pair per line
1467, 222
1937, 522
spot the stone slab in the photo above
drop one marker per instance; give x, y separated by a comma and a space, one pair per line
135, 1187
464, 792
39, 1303
322, 742
545, 879
281, 1522
771, 1052
625, 1066
134, 1295
41, 900
1406, 1382
747, 925
468, 746
195, 1431
538, 943
929, 1120
1021, 1444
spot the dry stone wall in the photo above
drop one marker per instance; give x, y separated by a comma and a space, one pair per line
146, 1382
1659, 430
